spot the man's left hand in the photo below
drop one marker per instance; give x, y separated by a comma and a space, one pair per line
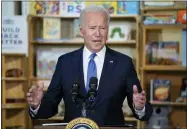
139, 99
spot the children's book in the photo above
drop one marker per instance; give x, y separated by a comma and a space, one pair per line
76, 32
44, 7
160, 90
110, 6
184, 42
46, 61
119, 31
51, 28
159, 3
168, 53
128, 7
71, 8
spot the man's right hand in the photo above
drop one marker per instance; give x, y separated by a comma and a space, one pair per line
35, 95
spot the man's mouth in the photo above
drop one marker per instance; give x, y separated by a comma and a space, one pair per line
96, 41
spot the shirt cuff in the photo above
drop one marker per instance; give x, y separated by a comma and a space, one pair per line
34, 111
140, 113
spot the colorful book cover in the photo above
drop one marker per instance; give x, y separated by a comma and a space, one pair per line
71, 8
76, 23
154, 47
51, 28
168, 53
183, 89
148, 53
119, 31
46, 61
184, 42
159, 3
160, 19
160, 90
44, 7
163, 53
51, 7
128, 7
35, 7
111, 6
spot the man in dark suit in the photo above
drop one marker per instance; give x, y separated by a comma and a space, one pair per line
117, 78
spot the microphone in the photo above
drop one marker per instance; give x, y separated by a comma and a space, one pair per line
92, 93
75, 92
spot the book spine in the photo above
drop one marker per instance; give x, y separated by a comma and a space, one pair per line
184, 42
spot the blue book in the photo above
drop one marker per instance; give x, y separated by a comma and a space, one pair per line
128, 7
184, 32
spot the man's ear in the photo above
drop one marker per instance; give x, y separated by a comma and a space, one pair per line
81, 31
107, 36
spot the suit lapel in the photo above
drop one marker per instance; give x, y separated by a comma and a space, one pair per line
79, 75
108, 67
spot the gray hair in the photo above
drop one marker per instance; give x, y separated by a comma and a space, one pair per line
93, 8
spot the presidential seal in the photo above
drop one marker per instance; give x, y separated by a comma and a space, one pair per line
82, 123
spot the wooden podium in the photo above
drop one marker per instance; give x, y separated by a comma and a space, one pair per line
63, 127
39, 125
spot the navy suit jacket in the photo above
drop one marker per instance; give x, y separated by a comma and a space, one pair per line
116, 83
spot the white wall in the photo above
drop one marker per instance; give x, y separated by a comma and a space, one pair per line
8, 8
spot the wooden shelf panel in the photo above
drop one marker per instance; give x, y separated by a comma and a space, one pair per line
13, 54
14, 106
58, 16
130, 119
169, 103
14, 78
15, 118
59, 42
81, 42
36, 79
162, 26
57, 118
128, 43
163, 68
162, 8
125, 16
62, 117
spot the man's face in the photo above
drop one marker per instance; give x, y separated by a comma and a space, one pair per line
95, 30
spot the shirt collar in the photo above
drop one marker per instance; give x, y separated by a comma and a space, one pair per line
100, 54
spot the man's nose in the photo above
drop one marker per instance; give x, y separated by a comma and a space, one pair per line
97, 32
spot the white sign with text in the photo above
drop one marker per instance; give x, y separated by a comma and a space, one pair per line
14, 34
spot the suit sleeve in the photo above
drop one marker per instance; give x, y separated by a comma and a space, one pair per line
131, 80
54, 94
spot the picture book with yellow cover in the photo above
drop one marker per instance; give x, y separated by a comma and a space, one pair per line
44, 7
110, 6
51, 28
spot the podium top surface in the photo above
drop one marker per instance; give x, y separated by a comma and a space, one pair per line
63, 127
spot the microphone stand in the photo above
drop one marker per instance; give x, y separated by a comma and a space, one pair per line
86, 105
83, 106
83, 109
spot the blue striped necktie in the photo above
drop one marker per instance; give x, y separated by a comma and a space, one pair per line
92, 69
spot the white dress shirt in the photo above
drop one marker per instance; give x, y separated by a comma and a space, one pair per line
99, 60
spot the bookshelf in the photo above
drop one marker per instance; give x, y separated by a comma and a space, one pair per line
173, 72
169, 103
35, 24
163, 68
14, 87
